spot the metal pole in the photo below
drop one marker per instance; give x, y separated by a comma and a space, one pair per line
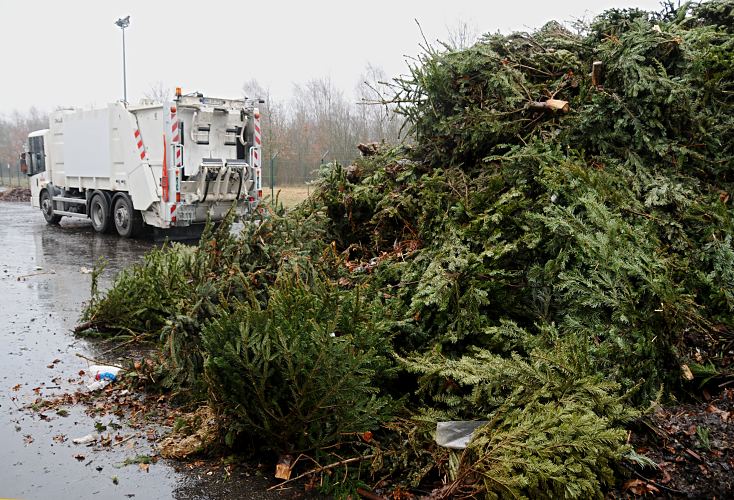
123, 23
124, 68
272, 176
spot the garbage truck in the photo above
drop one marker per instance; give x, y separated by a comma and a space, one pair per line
169, 166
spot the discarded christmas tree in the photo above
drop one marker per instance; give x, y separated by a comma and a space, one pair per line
546, 256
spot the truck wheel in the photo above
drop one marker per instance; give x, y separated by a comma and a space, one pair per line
47, 207
99, 212
128, 221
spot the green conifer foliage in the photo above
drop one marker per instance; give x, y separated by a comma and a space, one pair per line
296, 375
547, 271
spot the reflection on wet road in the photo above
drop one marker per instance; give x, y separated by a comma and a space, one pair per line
42, 289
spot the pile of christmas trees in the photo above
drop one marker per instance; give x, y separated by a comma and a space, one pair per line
552, 253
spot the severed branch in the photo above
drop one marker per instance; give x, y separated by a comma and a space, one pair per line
84, 326
596, 73
368, 494
551, 105
98, 362
321, 469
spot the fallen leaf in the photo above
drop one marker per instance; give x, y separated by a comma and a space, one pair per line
640, 487
666, 475
712, 409
686, 372
283, 467
16, 387
144, 467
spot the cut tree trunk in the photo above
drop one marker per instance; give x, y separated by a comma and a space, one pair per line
596, 73
551, 105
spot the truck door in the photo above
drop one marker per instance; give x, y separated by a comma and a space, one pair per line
36, 157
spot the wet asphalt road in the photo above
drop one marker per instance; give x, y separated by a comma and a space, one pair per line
42, 290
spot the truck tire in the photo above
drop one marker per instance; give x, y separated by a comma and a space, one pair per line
128, 221
47, 207
99, 213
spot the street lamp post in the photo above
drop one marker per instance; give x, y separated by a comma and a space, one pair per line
123, 23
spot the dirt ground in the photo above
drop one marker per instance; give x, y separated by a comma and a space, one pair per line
692, 446
44, 281
16, 194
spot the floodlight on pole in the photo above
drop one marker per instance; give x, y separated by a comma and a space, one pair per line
123, 23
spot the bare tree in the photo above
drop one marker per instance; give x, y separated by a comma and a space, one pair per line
462, 35
159, 93
14, 132
319, 123
380, 122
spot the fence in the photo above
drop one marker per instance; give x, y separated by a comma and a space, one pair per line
296, 169
279, 170
10, 175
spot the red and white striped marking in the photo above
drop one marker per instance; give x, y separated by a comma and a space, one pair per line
258, 132
256, 160
176, 135
141, 147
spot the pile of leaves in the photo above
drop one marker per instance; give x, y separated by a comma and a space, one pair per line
16, 194
552, 253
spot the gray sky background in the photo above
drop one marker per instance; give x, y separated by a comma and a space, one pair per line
69, 53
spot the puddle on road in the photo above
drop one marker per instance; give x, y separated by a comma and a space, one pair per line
42, 290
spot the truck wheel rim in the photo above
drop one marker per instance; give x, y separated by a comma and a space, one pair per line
46, 205
121, 217
97, 214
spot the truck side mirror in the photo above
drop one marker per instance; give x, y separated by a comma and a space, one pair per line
23, 164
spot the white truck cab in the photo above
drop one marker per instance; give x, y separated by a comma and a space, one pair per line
166, 165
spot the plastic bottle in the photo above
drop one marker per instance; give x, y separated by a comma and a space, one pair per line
102, 375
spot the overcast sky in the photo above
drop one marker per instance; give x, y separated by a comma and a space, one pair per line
69, 53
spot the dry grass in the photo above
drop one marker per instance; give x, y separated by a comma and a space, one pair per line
290, 196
